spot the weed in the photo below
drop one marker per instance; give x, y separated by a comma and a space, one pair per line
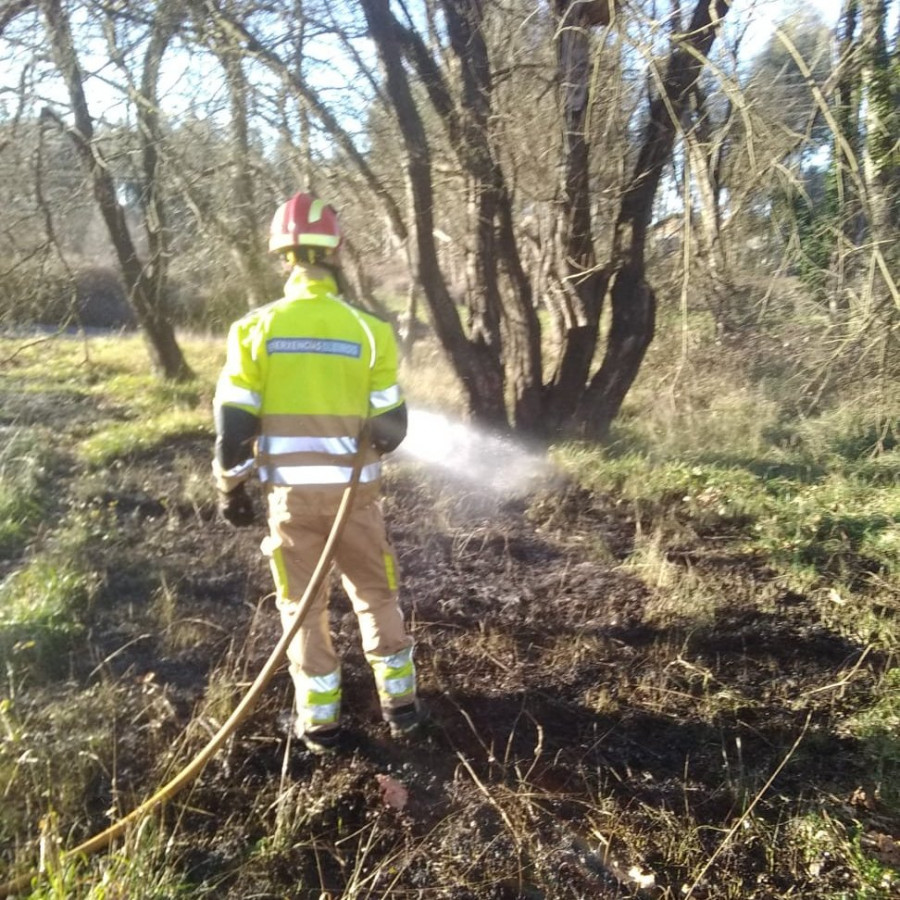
139, 870
612, 691
52, 756
842, 528
430, 383
24, 490
878, 728
142, 436
819, 842
40, 615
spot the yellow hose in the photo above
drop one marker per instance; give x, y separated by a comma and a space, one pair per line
243, 709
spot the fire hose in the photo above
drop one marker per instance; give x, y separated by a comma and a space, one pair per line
241, 711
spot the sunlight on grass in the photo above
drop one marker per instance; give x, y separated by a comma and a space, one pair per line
842, 524
689, 417
700, 492
45, 591
23, 491
116, 365
879, 730
123, 439
138, 870
19, 511
721, 518
40, 615
429, 382
842, 527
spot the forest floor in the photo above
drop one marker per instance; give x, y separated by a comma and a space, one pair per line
591, 735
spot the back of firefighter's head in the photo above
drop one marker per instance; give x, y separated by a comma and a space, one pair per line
305, 231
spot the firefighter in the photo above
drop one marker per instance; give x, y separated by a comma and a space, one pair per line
301, 378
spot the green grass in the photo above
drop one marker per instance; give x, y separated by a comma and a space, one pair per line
121, 411
704, 468
114, 370
138, 870
844, 527
41, 615
144, 435
823, 506
878, 728
25, 495
21, 509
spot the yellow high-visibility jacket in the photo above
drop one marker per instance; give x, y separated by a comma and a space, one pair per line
309, 369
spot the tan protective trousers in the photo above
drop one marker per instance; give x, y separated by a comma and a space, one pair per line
367, 564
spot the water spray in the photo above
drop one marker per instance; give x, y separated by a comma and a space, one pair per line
487, 461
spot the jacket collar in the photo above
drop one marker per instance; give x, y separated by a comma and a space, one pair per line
307, 282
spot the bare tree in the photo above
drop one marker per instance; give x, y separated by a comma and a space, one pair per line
145, 281
476, 363
482, 223
584, 282
495, 323
847, 137
482, 358
241, 228
882, 124
632, 299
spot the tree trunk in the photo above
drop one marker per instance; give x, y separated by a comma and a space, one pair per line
478, 365
145, 284
845, 156
506, 322
584, 283
168, 19
497, 248
702, 162
879, 169
245, 243
880, 162
632, 300
631, 332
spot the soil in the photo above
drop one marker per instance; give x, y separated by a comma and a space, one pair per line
584, 739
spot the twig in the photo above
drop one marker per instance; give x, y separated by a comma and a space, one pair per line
481, 786
115, 653
28, 345
843, 682
743, 818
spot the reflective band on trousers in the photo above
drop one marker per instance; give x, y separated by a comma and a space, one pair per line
395, 675
298, 475
334, 446
320, 699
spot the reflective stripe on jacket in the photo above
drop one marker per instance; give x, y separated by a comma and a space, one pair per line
313, 369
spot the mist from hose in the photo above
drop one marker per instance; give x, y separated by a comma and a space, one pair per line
493, 463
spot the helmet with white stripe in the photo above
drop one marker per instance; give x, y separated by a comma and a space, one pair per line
304, 221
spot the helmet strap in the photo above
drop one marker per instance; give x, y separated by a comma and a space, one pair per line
309, 256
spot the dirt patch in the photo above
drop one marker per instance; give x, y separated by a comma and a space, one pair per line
578, 746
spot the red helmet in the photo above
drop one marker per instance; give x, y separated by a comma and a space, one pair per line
304, 221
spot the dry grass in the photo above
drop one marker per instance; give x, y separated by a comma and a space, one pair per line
675, 678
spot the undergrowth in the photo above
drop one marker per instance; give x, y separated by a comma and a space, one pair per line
676, 676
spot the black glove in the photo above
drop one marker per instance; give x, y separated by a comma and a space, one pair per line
236, 507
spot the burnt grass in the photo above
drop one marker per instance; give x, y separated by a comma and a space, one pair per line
576, 745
